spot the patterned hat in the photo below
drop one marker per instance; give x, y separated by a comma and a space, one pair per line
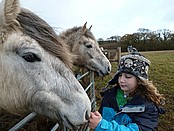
134, 63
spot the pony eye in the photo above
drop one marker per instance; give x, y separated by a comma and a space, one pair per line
30, 57
88, 46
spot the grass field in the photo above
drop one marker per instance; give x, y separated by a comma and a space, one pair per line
161, 72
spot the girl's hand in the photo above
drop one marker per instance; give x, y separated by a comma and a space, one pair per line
95, 118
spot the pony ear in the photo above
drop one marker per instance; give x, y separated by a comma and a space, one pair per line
90, 27
9, 9
84, 28
85, 25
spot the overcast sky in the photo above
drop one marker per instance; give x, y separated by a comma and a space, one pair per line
107, 17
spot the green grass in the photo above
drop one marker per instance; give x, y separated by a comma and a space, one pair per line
161, 72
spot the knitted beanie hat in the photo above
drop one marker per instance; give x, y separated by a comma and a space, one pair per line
134, 63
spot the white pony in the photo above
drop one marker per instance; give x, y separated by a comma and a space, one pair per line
35, 71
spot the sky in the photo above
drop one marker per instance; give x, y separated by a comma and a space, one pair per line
107, 17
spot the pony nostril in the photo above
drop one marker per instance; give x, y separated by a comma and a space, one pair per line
109, 69
87, 115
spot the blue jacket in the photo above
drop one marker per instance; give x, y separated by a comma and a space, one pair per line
138, 114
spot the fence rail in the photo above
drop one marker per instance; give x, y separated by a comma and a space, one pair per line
90, 90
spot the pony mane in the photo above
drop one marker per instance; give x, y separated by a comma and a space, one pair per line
38, 29
79, 30
89, 34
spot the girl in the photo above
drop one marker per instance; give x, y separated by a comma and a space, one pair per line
133, 103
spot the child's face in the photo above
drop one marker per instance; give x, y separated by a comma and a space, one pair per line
127, 82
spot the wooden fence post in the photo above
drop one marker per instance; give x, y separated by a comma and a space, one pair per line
119, 53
